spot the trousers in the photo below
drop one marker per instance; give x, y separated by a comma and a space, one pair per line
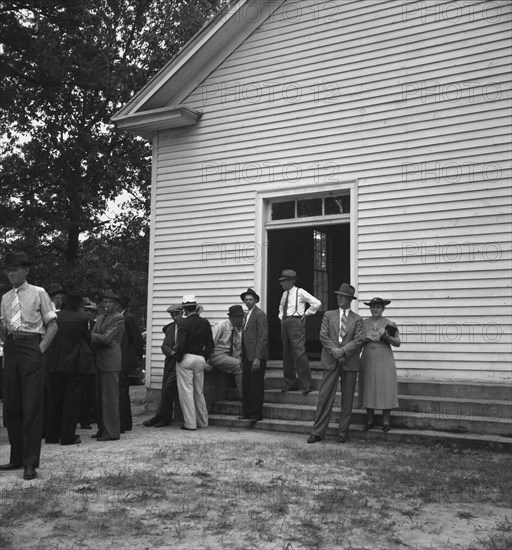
190, 375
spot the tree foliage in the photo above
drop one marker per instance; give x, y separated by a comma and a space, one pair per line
66, 66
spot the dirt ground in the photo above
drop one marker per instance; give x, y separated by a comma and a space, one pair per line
222, 488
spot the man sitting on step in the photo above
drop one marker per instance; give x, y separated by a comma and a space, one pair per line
227, 354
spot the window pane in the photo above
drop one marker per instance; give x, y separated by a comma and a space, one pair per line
309, 207
337, 205
283, 210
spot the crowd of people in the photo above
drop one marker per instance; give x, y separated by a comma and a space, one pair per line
66, 365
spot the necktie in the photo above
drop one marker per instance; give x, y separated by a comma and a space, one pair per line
15, 313
232, 346
285, 306
244, 321
343, 325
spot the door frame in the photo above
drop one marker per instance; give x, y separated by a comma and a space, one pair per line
262, 206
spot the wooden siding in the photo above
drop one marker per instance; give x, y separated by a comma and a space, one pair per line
412, 99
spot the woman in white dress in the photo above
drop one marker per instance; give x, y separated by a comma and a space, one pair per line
377, 377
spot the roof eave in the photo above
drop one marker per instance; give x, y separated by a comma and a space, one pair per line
147, 123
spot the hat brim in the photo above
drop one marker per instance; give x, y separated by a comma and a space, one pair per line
287, 279
244, 294
15, 264
345, 294
379, 303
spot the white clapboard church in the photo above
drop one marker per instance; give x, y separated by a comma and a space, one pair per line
353, 141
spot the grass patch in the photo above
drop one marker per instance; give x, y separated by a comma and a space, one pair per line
221, 492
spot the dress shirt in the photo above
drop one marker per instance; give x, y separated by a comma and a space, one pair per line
297, 300
223, 332
36, 309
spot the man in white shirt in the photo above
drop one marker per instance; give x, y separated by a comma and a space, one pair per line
293, 313
27, 327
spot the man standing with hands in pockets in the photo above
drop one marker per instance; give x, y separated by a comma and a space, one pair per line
28, 325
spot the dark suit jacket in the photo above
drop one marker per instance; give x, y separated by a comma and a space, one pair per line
194, 336
255, 335
106, 340
169, 343
69, 351
351, 344
132, 343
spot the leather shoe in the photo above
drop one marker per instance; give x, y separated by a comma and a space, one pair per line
255, 419
307, 390
188, 429
314, 438
151, 421
108, 438
162, 424
342, 439
76, 441
86, 426
9, 466
287, 388
385, 428
29, 473
96, 435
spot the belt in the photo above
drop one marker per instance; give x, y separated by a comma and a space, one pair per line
291, 317
25, 336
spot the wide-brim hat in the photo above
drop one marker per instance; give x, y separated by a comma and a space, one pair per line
288, 274
110, 295
12, 259
377, 301
189, 300
173, 308
53, 289
347, 290
252, 293
236, 311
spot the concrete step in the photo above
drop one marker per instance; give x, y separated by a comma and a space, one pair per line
487, 409
303, 412
435, 388
424, 437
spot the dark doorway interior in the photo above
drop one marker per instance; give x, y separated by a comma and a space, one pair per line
321, 257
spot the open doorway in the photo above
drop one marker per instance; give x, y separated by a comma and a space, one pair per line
321, 257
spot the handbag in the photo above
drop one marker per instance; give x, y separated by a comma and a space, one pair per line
391, 330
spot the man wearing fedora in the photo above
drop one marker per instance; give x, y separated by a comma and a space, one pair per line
169, 397
56, 293
341, 336
193, 349
106, 342
69, 358
132, 350
254, 357
227, 353
293, 311
88, 391
27, 326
